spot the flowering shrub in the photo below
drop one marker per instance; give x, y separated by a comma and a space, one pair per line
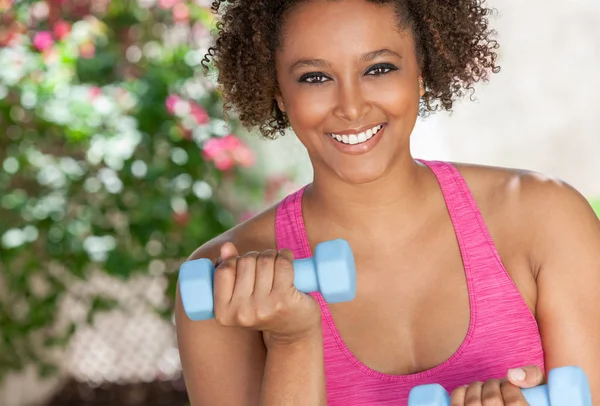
114, 157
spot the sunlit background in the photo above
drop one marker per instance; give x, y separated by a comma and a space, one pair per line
116, 163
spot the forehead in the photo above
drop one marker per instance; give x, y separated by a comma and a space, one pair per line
326, 29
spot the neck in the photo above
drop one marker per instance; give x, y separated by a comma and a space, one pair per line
370, 207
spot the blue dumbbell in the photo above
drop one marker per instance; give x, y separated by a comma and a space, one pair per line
567, 386
331, 271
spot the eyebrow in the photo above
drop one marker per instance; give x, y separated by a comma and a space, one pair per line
322, 63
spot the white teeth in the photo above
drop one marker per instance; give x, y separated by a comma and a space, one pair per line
353, 139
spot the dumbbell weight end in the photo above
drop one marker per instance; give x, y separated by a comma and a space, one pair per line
331, 272
567, 386
196, 281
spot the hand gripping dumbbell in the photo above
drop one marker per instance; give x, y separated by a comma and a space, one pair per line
567, 386
331, 271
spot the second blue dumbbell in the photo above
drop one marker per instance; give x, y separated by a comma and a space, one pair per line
567, 386
331, 271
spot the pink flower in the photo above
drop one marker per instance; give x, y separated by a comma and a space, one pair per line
43, 40
171, 102
167, 4
224, 162
199, 114
227, 152
61, 29
95, 91
213, 148
181, 12
243, 156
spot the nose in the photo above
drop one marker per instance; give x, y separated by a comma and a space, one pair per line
351, 104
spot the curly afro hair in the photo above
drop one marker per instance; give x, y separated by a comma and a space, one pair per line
454, 46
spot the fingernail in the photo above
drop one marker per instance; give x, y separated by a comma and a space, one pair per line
516, 374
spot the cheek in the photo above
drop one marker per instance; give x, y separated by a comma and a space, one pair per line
308, 109
395, 97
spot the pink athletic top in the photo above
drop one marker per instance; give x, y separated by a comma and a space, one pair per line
502, 333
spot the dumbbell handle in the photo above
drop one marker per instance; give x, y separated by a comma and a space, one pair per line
537, 396
305, 275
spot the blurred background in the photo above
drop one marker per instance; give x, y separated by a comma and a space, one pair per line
116, 163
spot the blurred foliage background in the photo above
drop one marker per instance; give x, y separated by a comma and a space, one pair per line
596, 206
116, 162
115, 159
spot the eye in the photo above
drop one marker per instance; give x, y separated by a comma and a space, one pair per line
316, 78
381, 69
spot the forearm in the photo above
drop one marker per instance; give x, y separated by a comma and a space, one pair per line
295, 373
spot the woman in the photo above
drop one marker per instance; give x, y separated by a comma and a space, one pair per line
477, 278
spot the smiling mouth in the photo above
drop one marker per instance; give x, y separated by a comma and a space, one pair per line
358, 138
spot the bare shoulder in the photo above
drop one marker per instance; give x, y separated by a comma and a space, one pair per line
523, 191
502, 186
224, 365
531, 207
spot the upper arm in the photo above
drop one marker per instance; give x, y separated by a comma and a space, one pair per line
221, 365
566, 255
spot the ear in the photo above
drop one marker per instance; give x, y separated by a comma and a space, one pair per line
279, 100
421, 86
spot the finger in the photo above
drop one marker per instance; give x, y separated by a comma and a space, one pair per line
526, 377
265, 266
244, 278
458, 396
512, 394
473, 395
283, 277
228, 250
287, 254
491, 394
223, 284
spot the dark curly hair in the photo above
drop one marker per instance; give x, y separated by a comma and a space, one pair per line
454, 47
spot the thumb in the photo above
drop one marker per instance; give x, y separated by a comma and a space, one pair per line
228, 250
526, 377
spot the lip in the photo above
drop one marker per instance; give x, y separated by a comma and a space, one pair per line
355, 131
357, 149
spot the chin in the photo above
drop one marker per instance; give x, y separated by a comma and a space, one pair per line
356, 176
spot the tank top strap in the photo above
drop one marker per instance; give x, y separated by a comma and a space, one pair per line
476, 245
289, 225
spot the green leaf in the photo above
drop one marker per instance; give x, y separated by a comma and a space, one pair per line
100, 304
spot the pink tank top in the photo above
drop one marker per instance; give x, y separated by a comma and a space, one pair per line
502, 334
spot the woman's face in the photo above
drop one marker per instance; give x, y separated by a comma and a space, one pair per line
349, 83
